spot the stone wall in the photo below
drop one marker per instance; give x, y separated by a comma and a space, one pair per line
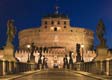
10, 67
1, 54
96, 67
68, 39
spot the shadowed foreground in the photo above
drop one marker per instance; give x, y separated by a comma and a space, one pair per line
55, 75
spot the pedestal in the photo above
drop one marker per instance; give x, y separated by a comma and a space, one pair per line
102, 54
2, 68
66, 67
70, 66
78, 66
32, 59
9, 52
40, 66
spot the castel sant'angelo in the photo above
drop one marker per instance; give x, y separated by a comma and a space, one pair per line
55, 31
57, 36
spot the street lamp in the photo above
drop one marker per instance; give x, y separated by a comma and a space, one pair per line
72, 54
82, 46
28, 47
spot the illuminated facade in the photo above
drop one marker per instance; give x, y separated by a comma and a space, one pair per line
55, 31
56, 34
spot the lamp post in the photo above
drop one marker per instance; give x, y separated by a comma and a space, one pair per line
82, 46
72, 54
28, 46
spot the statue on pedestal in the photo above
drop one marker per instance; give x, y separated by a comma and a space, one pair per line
11, 31
100, 30
65, 61
101, 48
9, 49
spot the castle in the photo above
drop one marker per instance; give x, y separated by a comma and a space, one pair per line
56, 38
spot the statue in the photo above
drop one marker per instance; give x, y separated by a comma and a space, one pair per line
9, 48
101, 50
100, 30
11, 31
65, 61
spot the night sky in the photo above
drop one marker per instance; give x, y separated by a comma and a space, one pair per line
82, 13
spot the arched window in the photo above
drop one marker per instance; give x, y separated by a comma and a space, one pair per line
45, 22
55, 29
58, 22
64, 26
64, 22
52, 22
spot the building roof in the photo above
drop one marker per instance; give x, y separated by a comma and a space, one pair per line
56, 16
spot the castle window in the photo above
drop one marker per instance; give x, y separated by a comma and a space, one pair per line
58, 22
71, 30
45, 26
64, 26
55, 29
52, 22
45, 22
64, 22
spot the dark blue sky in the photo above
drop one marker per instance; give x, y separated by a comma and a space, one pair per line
82, 13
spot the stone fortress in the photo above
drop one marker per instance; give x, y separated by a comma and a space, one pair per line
59, 38
56, 44
55, 31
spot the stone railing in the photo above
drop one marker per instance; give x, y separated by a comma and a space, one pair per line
103, 67
10, 67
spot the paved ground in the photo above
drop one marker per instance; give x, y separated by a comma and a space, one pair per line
55, 75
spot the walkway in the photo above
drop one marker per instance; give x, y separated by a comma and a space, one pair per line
54, 74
